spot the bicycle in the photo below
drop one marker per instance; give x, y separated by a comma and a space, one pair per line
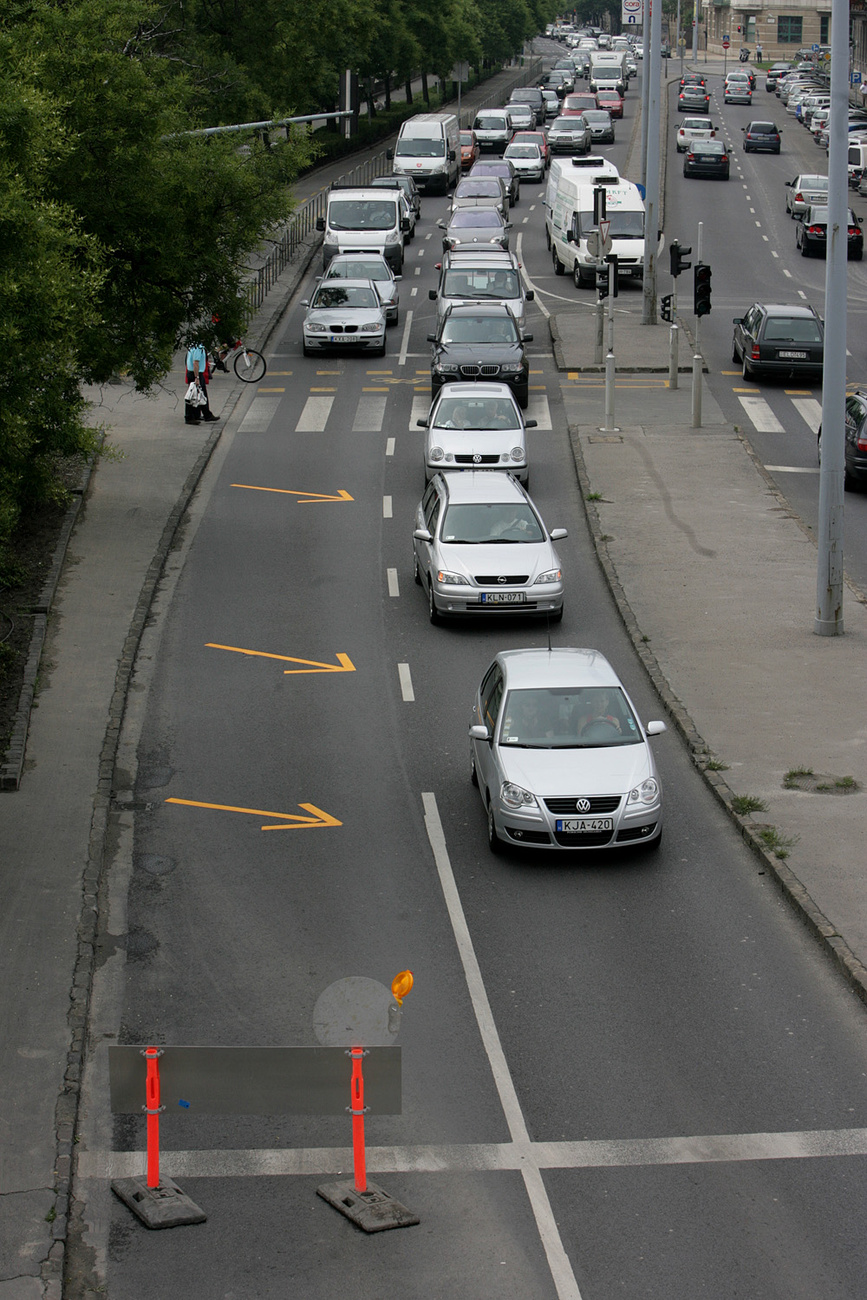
248, 364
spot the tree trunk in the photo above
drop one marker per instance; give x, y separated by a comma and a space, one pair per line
388, 92
424, 88
409, 90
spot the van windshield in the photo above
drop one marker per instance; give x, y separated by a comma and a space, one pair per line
362, 214
420, 147
624, 225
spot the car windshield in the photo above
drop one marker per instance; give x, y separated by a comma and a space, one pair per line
420, 148
480, 329
472, 217
708, 147
565, 124
568, 718
470, 413
797, 329
492, 524
362, 214
466, 137
332, 295
762, 128
483, 187
597, 115
481, 284
522, 151
490, 122
375, 270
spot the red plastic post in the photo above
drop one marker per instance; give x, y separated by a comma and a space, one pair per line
356, 1110
152, 1109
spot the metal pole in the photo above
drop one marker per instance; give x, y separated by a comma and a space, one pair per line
651, 202
696, 360
645, 97
673, 342
609, 360
829, 577
600, 328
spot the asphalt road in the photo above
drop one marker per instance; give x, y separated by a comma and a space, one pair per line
622, 1076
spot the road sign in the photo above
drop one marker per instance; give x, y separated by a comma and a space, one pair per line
604, 238
726, 43
814, 49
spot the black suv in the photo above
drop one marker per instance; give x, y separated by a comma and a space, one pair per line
855, 445
481, 342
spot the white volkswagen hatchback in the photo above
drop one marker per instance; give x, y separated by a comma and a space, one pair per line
476, 426
560, 756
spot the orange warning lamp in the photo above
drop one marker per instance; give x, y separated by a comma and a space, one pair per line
401, 985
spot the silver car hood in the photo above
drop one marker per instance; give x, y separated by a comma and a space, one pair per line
510, 558
486, 442
556, 773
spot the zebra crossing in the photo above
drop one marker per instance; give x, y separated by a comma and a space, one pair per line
787, 417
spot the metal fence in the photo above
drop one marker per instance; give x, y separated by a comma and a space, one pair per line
297, 231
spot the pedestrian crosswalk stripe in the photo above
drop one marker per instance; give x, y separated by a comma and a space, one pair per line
420, 409
259, 416
540, 411
760, 415
369, 415
315, 415
810, 411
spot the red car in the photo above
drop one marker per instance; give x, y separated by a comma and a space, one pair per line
534, 137
469, 150
611, 101
574, 105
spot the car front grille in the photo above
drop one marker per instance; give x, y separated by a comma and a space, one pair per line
343, 329
501, 579
600, 803
593, 841
475, 371
477, 460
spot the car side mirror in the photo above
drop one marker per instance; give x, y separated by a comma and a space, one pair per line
431, 338
530, 295
655, 728
527, 338
557, 534
479, 732
432, 294
397, 277
305, 302
531, 424
441, 223
423, 424
452, 155
737, 320
404, 223
320, 223
389, 153
422, 535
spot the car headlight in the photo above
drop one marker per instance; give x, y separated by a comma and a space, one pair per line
392, 239
517, 453
435, 453
372, 327
647, 792
515, 796
450, 579
315, 327
446, 367
511, 368
551, 575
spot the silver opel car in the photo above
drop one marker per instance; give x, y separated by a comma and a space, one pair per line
480, 547
559, 755
474, 427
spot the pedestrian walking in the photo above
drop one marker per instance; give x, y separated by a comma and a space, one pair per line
198, 373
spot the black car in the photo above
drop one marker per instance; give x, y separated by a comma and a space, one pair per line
761, 135
811, 233
692, 79
778, 338
706, 158
481, 342
855, 445
693, 99
475, 227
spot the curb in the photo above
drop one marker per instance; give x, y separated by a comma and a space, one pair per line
792, 889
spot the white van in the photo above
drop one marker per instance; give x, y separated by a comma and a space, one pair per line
572, 221
566, 176
608, 66
361, 220
429, 150
493, 128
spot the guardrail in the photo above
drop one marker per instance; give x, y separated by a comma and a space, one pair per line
302, 223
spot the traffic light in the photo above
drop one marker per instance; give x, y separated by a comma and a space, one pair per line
678, 255
701, 288
600, 202
665, 307
602, 276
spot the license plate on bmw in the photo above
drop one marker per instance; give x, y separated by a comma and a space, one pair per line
503, 597
584, 825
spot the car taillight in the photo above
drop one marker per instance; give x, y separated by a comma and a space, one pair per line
755, 352
799, 198
854, 230
861, 440
814, 230
712, 134
724, 158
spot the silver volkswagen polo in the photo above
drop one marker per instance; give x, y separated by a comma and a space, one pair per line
560, 756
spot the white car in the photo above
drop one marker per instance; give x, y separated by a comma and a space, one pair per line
344, 314
476, 426
559, 755
694, 128
527, 160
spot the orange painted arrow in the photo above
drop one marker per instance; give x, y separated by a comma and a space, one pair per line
344, 663
288, 821
311, 498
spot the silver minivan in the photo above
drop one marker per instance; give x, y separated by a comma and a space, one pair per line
469, 277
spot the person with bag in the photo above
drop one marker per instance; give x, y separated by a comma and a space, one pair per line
198, 376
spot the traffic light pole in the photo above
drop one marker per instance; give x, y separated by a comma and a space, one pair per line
696, 360
673, 342
610, 426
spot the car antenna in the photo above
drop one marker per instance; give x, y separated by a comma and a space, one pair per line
548, 630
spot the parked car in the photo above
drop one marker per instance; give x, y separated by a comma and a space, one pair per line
569, 135
779, 338
707, 158
559, 754
527, 160
760, 136
600, 124
693, 99
503, 168
368, 266
692, 129
811, 233
481, 342
476, 426
470, 151
341, 314
804, 191
470, 226
480, 547
855, 445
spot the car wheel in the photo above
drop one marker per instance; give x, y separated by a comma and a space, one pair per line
745, 369
735, 354
522, 396
431, 605
805, 252
559, 268
685, 172
655, 845
474, 776
416, 571
548, 238
858, 255
495, 844
305, 351
557, 616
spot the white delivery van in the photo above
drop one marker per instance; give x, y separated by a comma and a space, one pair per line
572, 221
493, 128
429, 150
608, 67
361, 220
566, 176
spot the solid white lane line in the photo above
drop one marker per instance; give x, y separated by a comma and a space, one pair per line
386, 508
760, 415
393, 584
558, 1260
405, 680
